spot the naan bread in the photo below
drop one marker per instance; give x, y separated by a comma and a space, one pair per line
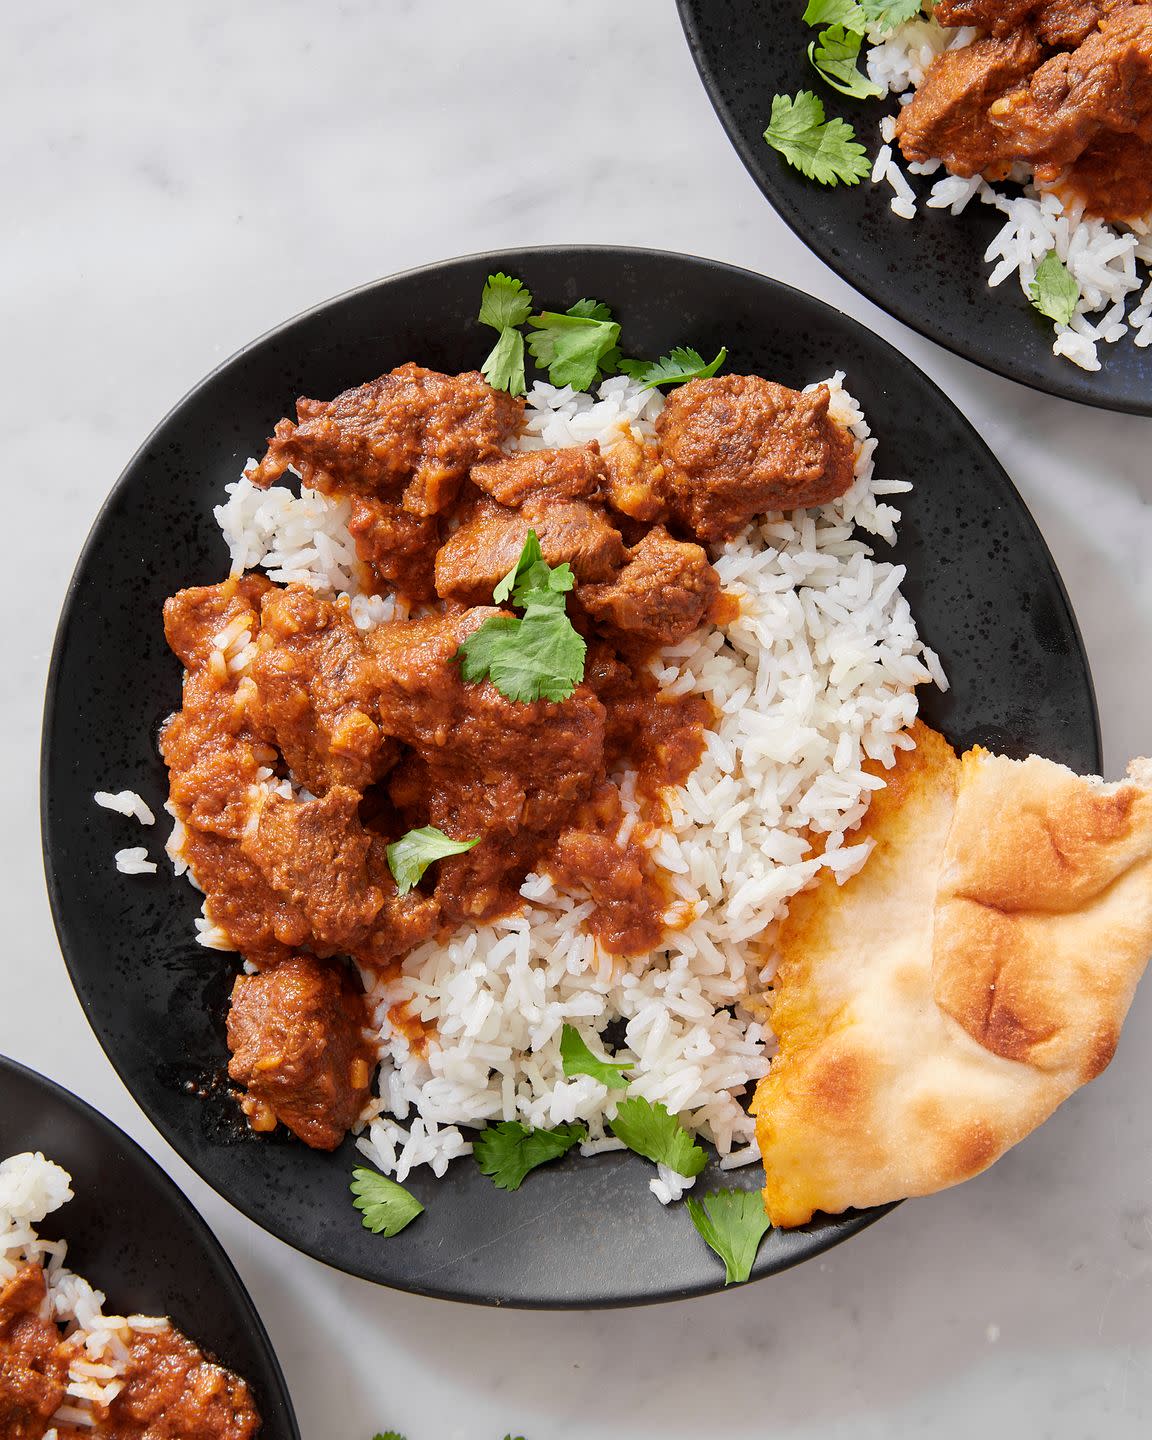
941, 1003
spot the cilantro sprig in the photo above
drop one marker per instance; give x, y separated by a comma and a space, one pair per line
1054, 291
834, 55
505, 305
731, 1222
579, 1060
410, 856
836, 12
823, 150
539, 655
886, 15
576, 346
507, 1151
385, 1206
676, 368
650, 1130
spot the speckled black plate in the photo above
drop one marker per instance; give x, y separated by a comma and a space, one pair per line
132, 1234
980, 582
930, 273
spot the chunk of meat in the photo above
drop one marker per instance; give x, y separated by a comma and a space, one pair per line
1064, 24
569, 474
1103, 88
1111, 179
296, 1033
663, 593
312, 692
999, 17
412, 430
314, 854
636, 483
33, 1365
737, 446
477, 556
950, 114
172, 1391
397, 547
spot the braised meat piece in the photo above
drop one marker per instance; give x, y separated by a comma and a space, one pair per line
949, 115
1102, 89
173, 1392
477, 556
663, 593
736, 446
568, 474
297, 1043
635, 482
1064, 24
314, 854
999, 17
312, 692
397, 547
1061, 24
33, 1366
412, 430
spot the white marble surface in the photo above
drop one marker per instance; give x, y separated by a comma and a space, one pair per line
179, 176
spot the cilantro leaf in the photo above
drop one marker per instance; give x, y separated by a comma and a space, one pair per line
579, 1060
532, 581
503, 367
1054, 291
732, 1222
836, 12
887, 14
824, 150
386, 1206
650, 1130
571, 346
537, 656
505, 302
410, 856
389, 1435
675, 368
834, 55
507, 1151
504, 305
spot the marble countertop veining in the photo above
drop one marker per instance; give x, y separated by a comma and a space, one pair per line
177, 178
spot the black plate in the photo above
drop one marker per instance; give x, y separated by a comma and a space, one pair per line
132, 1234
980, 581
929, 272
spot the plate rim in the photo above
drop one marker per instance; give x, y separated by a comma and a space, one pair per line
690, 13
188, 1216
843, 1226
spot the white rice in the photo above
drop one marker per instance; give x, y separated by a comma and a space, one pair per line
814, 678
134, 861
32, 1188
125, 802
1104, 259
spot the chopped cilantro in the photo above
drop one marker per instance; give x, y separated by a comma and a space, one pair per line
507, 1151
574, 347
386, 1206
836, 12
579, 1060
651, 1130
824, 150
1054, 291
504, 305
887, 14
732, 1223
834, 55
675, 368
410, 856
539, 655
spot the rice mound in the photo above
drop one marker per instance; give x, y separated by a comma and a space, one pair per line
31, 1188
1103, 259
815, 678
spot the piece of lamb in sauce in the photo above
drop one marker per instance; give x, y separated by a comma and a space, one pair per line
296, 1033
33, 1364
664, 592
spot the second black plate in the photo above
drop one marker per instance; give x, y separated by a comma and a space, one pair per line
929, 272
132, 1234
980, 582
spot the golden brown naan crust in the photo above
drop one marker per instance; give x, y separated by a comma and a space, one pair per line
941, 1003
